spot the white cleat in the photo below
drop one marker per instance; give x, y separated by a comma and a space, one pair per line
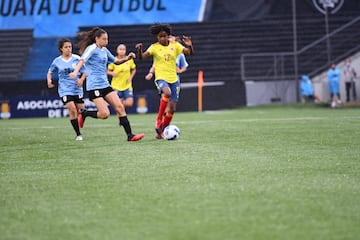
79, 138
333, 104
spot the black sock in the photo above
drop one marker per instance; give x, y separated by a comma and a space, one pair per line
126, 124
86, 113
74, 123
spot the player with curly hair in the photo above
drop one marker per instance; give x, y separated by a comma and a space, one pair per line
164, 53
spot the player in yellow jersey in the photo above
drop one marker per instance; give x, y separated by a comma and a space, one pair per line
164, 53
122, 76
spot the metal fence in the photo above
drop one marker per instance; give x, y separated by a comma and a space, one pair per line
311, 59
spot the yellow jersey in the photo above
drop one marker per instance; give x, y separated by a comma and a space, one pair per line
120, 82
164, 58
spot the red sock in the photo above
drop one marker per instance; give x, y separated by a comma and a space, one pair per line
167, 119
163, 104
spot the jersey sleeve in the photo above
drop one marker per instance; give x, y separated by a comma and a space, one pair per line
111, 57
132, 64
111, 66
88, 52
150, 49
53, 68
179, 48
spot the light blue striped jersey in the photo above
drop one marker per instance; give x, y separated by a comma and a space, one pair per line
67, 85
96, 61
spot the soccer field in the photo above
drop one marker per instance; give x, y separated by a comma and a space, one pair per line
271, 172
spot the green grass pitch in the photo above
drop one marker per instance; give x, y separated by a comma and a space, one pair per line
270, 172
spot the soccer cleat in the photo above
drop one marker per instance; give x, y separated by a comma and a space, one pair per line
81, 119
158, 130
136, 137
79, 138
159, 136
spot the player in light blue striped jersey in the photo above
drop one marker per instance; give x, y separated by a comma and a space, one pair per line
70, 89
96, 57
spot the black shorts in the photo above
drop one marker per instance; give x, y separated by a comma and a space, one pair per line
99, 93
72, 98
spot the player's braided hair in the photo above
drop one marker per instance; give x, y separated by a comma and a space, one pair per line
88, 38
157, 28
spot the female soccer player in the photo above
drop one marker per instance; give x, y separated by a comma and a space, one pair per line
122, 76
181, 63
69, 88
164, 53
95, 57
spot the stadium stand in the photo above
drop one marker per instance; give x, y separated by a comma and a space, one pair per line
311, 45
218, 46
15, 46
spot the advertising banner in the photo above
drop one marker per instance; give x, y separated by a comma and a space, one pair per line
53, 107
56, 18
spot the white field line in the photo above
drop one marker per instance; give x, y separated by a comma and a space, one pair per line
57, 127
271, 119
217, 121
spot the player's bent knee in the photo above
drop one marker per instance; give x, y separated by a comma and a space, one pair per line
103, 115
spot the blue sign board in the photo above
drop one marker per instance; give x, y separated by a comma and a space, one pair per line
56, 18
53, 107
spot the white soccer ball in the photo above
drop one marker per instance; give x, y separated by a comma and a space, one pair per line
171, 132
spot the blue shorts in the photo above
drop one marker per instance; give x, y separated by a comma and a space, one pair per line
174, 87
128, 93
334, 87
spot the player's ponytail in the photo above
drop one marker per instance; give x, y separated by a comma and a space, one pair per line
88, 38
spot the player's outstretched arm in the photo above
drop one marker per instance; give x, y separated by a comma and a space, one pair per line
188, 50
129, 56
141, 54
77, 68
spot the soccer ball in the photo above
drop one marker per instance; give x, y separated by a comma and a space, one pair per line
171, 132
